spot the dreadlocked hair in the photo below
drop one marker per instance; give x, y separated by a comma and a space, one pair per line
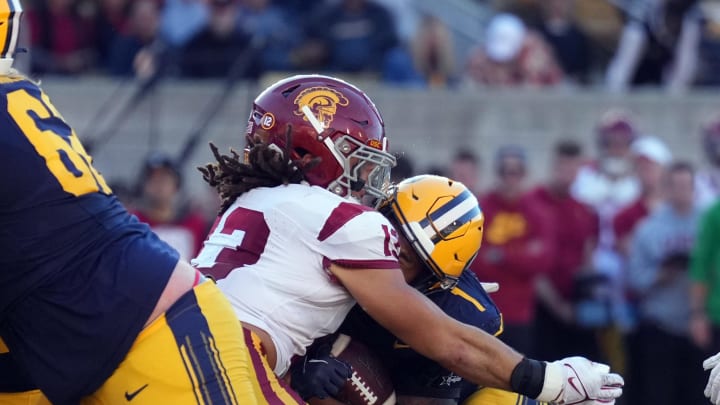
266, 166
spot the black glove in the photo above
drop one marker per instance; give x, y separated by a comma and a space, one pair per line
319, 375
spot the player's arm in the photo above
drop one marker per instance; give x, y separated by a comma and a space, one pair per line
469, 351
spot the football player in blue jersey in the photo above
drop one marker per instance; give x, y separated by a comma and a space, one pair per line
94, 308
429, 263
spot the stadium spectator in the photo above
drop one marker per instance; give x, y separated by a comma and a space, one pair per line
701, 40
648, 46
658, 273
518, 247
142, 30
705, 290
215, 50
608, 184
61, 40
268, 23
407, 17
433, 53
465, 168
353, 36
182, 19
707, 187
399, 70
568, 41
513, 55
110, 22
161, 206
651, 157
696, 50
575, 234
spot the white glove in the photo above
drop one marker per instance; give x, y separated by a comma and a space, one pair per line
490, 287
712, 390
577, 380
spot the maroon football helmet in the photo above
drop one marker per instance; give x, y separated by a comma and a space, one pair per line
616, 123
332, 120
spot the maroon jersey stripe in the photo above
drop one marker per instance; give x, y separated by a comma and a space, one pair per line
341, 215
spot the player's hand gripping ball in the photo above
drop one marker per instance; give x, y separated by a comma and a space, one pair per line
370, 383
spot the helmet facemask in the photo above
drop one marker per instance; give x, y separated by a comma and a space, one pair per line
364, 168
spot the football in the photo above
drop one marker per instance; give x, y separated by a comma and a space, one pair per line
370, 383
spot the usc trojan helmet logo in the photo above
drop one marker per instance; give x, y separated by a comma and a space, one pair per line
322, 101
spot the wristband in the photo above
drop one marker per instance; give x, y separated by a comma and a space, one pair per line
553, 381
528, 377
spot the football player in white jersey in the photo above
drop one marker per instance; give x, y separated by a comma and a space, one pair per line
293, 250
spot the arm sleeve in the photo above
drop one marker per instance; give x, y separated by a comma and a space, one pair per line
468, 303
703, 254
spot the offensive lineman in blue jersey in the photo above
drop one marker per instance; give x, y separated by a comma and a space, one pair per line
429, 264
94, 308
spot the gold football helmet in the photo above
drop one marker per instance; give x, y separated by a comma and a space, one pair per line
441, 219
10, 11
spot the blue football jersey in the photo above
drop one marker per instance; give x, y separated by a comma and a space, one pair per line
79, 276
412, 373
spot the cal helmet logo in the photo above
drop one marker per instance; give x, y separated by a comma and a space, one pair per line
322, 101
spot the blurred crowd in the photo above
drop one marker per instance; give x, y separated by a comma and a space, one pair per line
611, 43
614, 256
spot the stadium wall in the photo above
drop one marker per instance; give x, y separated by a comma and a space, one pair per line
428, 125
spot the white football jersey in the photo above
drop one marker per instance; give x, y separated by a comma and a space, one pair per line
276, 245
